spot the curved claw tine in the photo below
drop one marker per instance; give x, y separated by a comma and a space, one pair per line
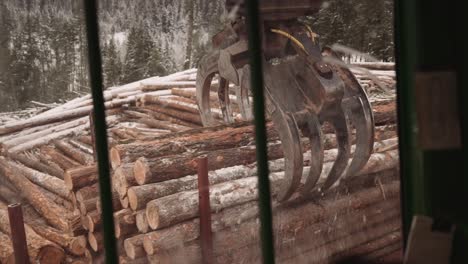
293, 156
207, 69
360, 116
339, 122
224, 102
313, 131
243, 94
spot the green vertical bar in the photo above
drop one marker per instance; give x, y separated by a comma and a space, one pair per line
412, 181
95, 70
266, 228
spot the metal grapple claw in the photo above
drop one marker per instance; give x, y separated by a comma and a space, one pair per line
301, 93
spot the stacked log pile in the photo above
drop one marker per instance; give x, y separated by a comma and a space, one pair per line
155, 134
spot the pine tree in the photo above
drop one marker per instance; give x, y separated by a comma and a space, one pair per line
112, 65
139, 47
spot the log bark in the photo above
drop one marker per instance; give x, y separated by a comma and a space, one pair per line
167, 85
182, 206
37, 165
87, 192
221, 139
40, 250
171, 119
150, 122
195, 119
170, 103
291, 224
140, 195
48, 209
134, 247
88, 205
63, 161
50, 183
46, 139
80, 177
74, 153
7, 255
83, 147
45, 132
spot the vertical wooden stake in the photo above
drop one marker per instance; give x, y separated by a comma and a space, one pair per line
205, 211
18, 235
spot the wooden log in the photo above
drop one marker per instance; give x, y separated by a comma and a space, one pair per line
179, 234
50, 183
229, 137
37, 165
170, 103
7, 255
142, 222
81, 176
48, 161
368, 250
76, 245
169, 118
124, 202
63, 161
76, 154
48, 209
88, 192
81, 146
85, 140
93, 220
88, 205
45, 132
170, 209
95, 241
127, 260
140, 195
150, 122
291, 224
125, 222
184, 116
145, 87
40, 250
116, 206
134, 247
46, 139
123, 179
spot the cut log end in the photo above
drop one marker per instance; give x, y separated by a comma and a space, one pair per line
115, 158
140, 171
78, 245
124, 202
50, 254
130, 249
68, 181
132, 199
152, 216
142, 222
148, 245
95, 241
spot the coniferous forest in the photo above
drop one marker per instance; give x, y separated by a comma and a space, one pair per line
43, 50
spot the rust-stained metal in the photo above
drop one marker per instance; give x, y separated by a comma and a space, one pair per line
18, 234
302, 91
205, 210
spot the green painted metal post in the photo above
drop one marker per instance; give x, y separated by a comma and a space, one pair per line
255, 51
100, 130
